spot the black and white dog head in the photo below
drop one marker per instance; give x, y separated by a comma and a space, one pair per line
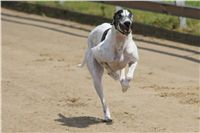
123, 20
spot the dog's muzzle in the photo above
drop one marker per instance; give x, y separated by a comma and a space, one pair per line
125, 27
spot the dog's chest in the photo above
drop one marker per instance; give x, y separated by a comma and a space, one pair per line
120, 61
118, 58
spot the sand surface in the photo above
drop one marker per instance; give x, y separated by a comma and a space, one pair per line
44, 91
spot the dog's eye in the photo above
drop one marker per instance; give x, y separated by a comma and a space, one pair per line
130, 17
120, 16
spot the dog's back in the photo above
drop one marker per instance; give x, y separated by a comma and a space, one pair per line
96, 34
94, 39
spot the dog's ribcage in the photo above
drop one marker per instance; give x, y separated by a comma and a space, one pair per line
96, 34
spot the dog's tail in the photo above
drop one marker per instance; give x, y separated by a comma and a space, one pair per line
82, 64
84, 60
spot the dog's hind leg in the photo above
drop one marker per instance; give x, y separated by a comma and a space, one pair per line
96, 71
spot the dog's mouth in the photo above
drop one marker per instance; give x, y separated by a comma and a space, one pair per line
125, 29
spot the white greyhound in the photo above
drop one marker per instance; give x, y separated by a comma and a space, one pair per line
110, 46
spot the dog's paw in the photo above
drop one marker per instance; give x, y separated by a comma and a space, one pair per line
107, 120
125, 88
125, 85
80, 65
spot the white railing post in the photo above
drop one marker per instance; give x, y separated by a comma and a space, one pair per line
183, 23
61, 2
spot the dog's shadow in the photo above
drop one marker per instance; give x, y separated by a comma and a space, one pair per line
79, 122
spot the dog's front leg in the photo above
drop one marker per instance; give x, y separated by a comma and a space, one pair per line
131, 70
123, 81
122, 74
129, 76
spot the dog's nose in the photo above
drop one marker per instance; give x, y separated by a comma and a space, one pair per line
127, 24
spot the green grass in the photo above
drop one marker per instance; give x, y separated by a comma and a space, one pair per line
193, 3
187, 2
150, 18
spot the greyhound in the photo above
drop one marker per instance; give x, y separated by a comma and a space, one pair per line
110, 46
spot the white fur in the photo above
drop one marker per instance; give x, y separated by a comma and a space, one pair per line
114, 54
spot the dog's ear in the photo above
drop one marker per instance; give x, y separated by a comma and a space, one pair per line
116, 16
130, 14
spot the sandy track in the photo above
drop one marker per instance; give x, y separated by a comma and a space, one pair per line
44, 91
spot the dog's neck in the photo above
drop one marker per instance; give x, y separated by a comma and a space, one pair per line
119, 38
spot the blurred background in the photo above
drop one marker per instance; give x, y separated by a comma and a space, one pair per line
172, 20
156, 19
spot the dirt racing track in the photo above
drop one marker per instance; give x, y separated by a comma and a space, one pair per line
43, 90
